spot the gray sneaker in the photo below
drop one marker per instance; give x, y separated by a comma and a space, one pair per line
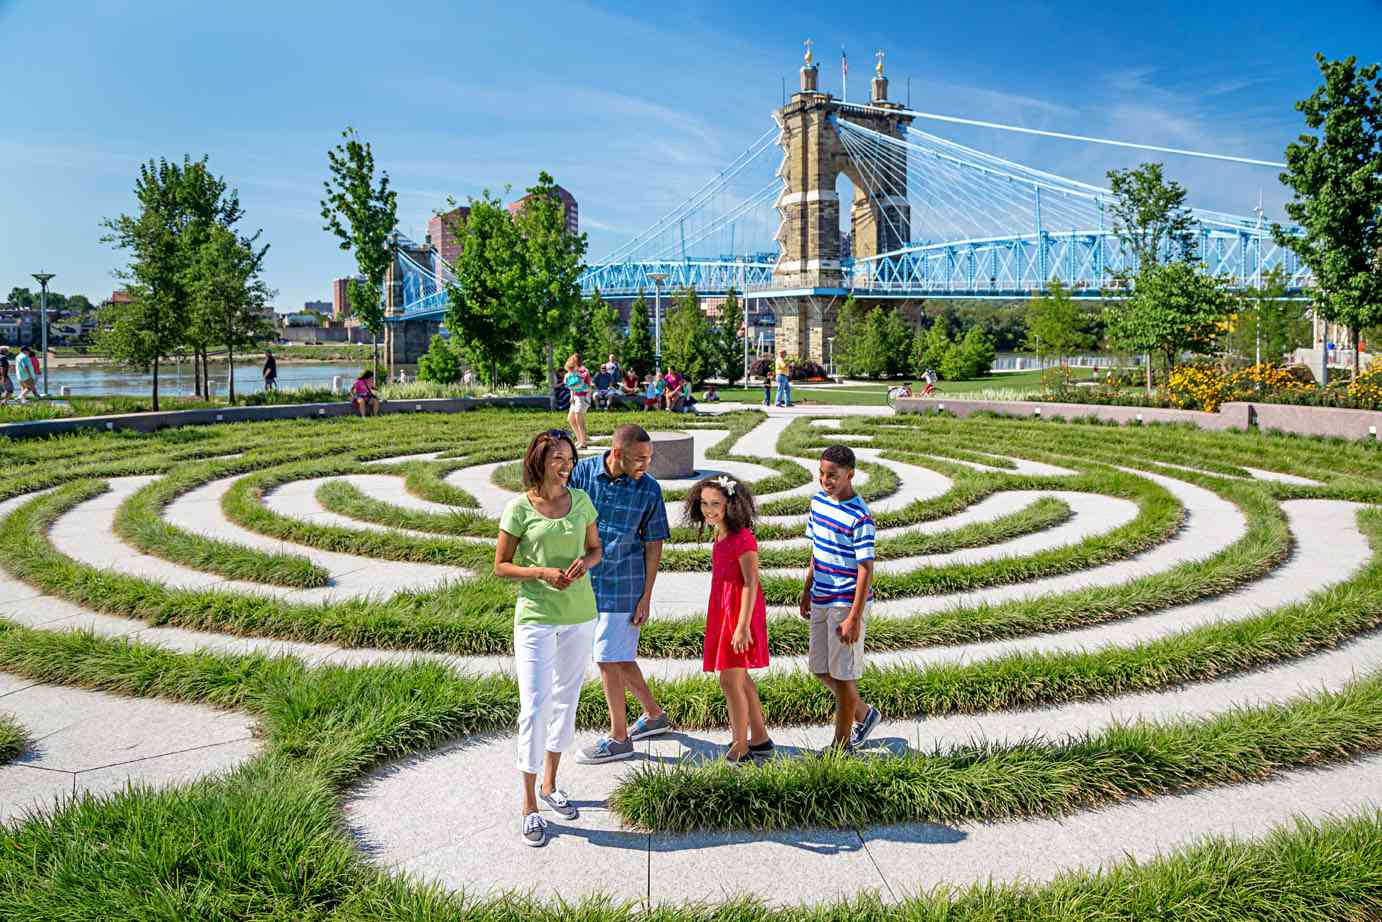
647, 726
605, 750
861, 730
534, 830
561, 804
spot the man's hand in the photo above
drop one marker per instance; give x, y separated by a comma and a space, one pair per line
849, 629
641, 611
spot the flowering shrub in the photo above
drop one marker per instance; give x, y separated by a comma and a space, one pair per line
1198, 387
1365, 391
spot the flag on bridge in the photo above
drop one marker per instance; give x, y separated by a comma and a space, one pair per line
844, 75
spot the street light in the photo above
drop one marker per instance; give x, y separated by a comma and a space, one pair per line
658, 278
43, 278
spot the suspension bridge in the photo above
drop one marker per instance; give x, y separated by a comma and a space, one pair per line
928, 218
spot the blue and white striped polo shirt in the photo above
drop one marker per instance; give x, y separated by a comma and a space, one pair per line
842, 535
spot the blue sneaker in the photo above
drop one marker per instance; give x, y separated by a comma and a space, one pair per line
647, 726
863, 728
605, 750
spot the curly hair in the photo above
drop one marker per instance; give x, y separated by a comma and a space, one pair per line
740, 509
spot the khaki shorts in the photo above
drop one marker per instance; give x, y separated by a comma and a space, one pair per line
828, 653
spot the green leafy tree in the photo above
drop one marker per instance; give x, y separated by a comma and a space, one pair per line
930, 350
1269, 325
480, 303
893, 338
554, 259
1150, 218
1174, 308
440, 363
978, 351
851, 333
362, 214
1337, 179
728, 340
685, 338
638, 345
178, 204
228, 295
1054, 325
606, 338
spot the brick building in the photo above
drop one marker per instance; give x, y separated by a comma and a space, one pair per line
568, 204
442, 231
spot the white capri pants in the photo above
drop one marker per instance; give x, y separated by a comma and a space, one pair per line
550, 660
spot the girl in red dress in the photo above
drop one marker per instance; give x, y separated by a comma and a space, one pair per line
736, 622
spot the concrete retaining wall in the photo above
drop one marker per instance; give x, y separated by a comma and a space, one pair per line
150, 422
1348, 424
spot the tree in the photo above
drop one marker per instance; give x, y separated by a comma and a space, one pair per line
362, 215
893, 340
729, 340
179, 203
1268, 324
550, 291
1337, 179
439, 363
638, 345
851, 339
929, 351
228, 294
480, 303
1054, 325
1174, 308
977, 353
685, 338
1149, 215
605, 337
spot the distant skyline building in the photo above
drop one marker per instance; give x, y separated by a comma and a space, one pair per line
441, 229
340, 298
568, 204
325, 308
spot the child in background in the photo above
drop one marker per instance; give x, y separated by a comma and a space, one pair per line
767, 389
736, 623
838, 591
649, 393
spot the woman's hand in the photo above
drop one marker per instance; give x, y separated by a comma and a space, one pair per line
741, 640
554, 578
576, 570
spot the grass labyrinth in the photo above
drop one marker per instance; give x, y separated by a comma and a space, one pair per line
1155, 631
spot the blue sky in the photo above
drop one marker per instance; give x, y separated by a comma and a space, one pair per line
631, 106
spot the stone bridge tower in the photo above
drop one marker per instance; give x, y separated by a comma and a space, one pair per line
808, 274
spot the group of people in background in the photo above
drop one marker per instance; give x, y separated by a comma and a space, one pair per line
584, 542
612, 385
23, 367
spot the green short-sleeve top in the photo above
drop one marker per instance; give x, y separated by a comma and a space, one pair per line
544, 542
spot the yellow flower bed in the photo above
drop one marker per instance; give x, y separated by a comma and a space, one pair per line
1366, 389
1203, 387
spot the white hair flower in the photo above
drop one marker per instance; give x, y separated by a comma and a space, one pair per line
726, 483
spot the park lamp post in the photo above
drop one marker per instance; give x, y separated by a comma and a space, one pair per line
43, 278
658, 278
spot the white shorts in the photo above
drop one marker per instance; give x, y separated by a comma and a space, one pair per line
579, 404
828, 654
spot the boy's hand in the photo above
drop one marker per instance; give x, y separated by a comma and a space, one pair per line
849, 629
804, 607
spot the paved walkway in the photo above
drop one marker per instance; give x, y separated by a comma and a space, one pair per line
435, 815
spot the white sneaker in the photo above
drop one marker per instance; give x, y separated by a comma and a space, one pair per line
560, 803
534, 830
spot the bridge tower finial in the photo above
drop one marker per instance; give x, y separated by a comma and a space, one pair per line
878, 68
880, 82
809, 71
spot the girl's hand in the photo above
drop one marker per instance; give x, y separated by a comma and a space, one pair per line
741, 640
554, 578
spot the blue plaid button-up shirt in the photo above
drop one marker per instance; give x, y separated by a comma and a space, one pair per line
632, 513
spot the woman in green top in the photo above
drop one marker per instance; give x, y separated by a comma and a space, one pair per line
548, 541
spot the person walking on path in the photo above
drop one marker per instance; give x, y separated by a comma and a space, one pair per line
548, 542
838, 591
579, 386
270, 371
28, 375
767, 389
736, 621
784, 380
6, 381
633, 525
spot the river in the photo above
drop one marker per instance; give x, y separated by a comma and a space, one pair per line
176, 379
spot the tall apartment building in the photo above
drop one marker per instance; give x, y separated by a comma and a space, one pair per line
442, 230
340, 300
568, 204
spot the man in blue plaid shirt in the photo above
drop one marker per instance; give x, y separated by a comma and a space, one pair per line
633, 525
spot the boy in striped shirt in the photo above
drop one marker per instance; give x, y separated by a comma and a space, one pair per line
838, 591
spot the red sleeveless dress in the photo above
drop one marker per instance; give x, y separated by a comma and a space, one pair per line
722, 614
